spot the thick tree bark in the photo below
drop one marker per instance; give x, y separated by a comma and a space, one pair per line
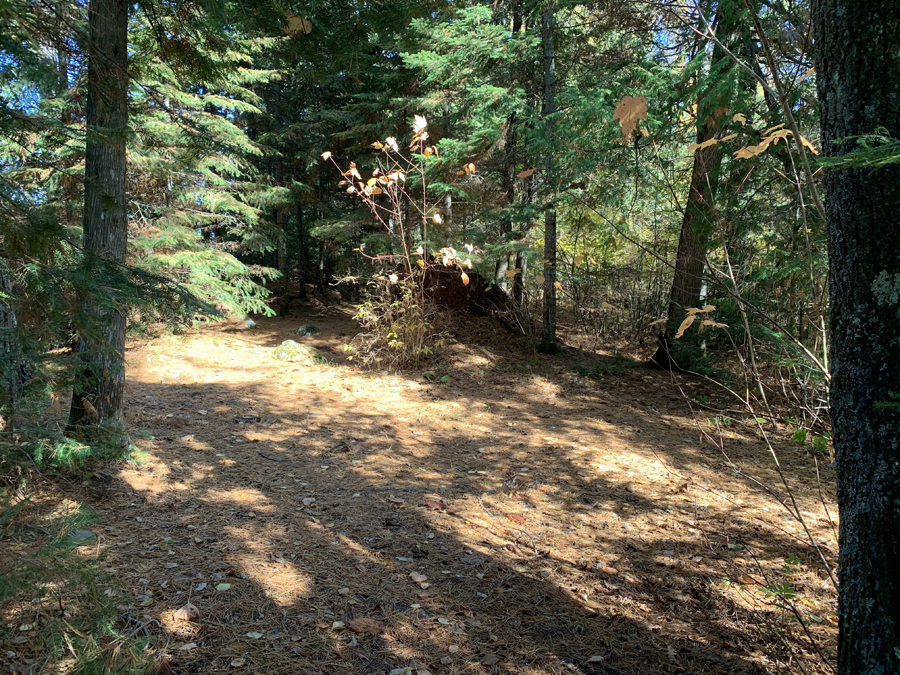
100, 385
548, 329
858, 73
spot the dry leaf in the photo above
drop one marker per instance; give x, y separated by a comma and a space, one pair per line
364, 625
297, 25
187, 647
490, 660
254, 635
396, 500
685, 325
746, 579
464, 278
417, 577
238, 662
187, 613
437, 506
526, 174
629, 112
516, 519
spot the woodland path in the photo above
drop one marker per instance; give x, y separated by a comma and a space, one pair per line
518, 518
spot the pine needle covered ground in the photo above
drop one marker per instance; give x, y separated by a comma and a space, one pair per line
513, 516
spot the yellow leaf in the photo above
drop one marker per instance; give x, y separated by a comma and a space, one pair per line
579, 259
741, 118
427, 152
375, 190
540, 280
326, 155
704, 144
470, 168
656, 323
526, 174
809, 145
464, 278
728, 138
511, 273
558, 285
297, 24
685, 325
371, 182
629, 111
378, 145
421, 262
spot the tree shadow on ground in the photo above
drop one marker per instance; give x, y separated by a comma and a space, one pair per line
520, 500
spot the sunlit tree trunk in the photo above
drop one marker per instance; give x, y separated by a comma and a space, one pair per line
858, 75
699, 215
100, 384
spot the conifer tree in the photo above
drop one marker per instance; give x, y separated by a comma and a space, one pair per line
100, 385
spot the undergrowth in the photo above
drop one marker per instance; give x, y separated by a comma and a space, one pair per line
59, 611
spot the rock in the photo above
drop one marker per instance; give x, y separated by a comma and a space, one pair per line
297, 353
81, 537
250, 323
307, 330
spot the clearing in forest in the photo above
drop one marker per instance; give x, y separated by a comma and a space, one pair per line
501, 514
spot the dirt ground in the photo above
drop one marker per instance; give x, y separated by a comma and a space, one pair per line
514, 517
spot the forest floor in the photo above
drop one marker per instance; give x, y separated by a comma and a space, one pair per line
515, 517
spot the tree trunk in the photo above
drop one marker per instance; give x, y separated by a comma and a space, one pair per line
281, 220
548, 330
858, 73
99, 386
699, 212
302, 260
12, 362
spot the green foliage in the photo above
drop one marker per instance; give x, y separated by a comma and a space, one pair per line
893, 404
83, 631
872, 151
